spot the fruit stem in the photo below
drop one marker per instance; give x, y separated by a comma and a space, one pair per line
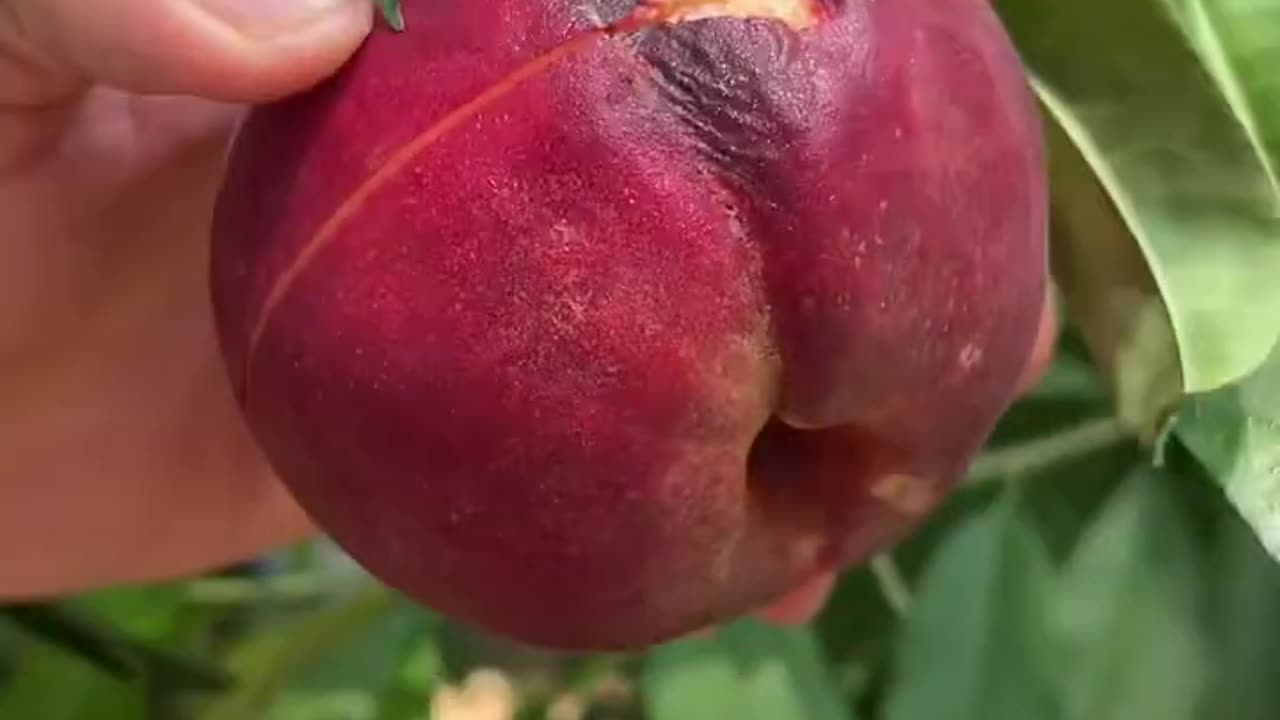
1028, 458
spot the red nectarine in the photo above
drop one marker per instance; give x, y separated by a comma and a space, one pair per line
593, 324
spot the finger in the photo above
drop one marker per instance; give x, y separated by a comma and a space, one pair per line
1046, 343
230, 50
802, 604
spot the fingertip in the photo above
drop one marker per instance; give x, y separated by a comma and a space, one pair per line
1045, 344
802, 604
238, 51
266, 65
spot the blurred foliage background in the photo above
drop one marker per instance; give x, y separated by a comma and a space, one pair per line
1106, 558
1069, 578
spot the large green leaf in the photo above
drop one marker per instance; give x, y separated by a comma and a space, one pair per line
1127, 612
1245, 628
856, 628
1109, 290
1235, 432
49, 684
1239, 41
268, 663
122, 653
976, 645
1125, 84
748, 671
362, 676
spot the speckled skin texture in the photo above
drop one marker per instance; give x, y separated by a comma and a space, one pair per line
593, 338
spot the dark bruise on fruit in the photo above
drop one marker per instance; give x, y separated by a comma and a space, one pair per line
733, 124
593, 323
699, 110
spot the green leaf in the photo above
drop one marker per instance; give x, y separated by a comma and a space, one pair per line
419, 676
1235, 433
149, 643
692, 678
100, 646
1245, 628
325, 704
49, 684
1127, 612
268, 662
1109, 291
392, 13
856, 629
748, 671
1239, 41
976, 642
1125, 85
110, 648
370, 659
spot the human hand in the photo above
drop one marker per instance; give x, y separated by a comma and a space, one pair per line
122, 456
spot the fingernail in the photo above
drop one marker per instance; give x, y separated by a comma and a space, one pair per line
266, 18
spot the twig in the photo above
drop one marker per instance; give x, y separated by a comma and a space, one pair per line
109, 649
1018, 461
244, 591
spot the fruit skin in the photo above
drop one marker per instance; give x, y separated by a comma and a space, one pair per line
655, 331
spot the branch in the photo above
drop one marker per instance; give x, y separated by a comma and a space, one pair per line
1028, 458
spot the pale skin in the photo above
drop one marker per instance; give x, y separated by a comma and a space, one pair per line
122, 457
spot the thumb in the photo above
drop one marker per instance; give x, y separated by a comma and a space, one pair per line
229, 50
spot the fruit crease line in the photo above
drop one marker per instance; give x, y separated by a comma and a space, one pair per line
393, 167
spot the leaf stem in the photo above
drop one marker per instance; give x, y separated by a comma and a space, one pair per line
893, 586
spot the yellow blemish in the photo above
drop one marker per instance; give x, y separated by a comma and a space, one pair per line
906, 494
722, 562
